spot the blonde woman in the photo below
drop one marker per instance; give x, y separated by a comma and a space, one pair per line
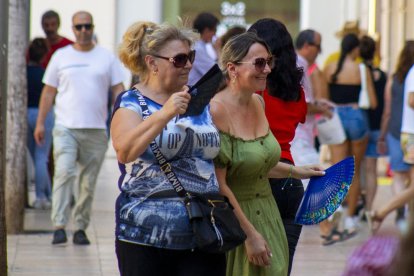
153, 232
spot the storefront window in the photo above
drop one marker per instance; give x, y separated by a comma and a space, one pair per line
244, 12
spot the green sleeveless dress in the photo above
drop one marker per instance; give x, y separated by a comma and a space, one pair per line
248, 163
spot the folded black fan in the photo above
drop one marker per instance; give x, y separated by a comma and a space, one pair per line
203, 91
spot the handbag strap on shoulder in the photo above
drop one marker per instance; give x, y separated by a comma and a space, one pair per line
363, 73
162, 161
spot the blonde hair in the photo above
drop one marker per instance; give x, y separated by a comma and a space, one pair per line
147, 38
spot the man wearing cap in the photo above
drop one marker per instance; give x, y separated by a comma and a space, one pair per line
78, 77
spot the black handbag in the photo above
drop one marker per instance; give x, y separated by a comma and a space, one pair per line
215, 226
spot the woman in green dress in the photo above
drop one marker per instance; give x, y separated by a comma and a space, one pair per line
249, 154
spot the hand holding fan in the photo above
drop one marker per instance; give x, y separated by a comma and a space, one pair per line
325, 193
203, 91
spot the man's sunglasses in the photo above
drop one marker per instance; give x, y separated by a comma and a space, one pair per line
180, 60
260, 63
87, 27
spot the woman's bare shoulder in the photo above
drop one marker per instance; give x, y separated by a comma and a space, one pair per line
219, 113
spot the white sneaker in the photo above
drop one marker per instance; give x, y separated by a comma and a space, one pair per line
38, 204
47, 205
351, 223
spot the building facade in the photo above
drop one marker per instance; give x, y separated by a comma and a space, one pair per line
387, 20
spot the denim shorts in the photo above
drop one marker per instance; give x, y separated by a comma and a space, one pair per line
355, 122
396, 154
372, 144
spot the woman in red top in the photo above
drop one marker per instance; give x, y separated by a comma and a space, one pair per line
285, 108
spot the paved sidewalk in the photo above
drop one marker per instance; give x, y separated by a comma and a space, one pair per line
31, 253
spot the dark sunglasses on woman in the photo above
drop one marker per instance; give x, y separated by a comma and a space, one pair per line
260, 63
180, 60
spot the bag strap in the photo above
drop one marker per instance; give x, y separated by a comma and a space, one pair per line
363, 72
162, 161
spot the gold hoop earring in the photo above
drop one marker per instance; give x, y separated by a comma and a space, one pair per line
155, 72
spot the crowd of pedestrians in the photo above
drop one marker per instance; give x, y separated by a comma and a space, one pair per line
261, 129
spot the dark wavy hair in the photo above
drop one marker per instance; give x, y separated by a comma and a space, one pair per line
405, 61
348, 43
367, 48
284, 81
38, 49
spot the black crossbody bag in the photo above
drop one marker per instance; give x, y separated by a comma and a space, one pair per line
215, 226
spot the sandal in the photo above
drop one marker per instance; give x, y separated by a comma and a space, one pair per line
333, 237
348, 233
350, 228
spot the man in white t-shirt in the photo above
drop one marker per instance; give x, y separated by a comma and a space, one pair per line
78, 79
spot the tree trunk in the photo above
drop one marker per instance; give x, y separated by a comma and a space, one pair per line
4, 7
16, 116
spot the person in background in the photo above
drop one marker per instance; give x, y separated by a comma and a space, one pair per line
285, 108
206, 56
153, 231
83, 73
222, 40
384, 255
50, 25
367, 51
38, 49
389, 138
344, 79
248, 154
308, 46
407, 146
352, 27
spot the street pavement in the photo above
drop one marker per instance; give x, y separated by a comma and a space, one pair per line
32, 254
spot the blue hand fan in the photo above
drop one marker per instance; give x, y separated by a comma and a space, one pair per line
325, 193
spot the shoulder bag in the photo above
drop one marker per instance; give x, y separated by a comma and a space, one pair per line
330, 130
363, 101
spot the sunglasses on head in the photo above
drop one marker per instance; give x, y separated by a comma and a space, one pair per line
260, 63
87, 27
180, 60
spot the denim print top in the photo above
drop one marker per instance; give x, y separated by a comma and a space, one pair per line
190, 144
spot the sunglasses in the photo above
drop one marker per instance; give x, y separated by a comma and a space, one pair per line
180, 60
87, 27
260, 63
